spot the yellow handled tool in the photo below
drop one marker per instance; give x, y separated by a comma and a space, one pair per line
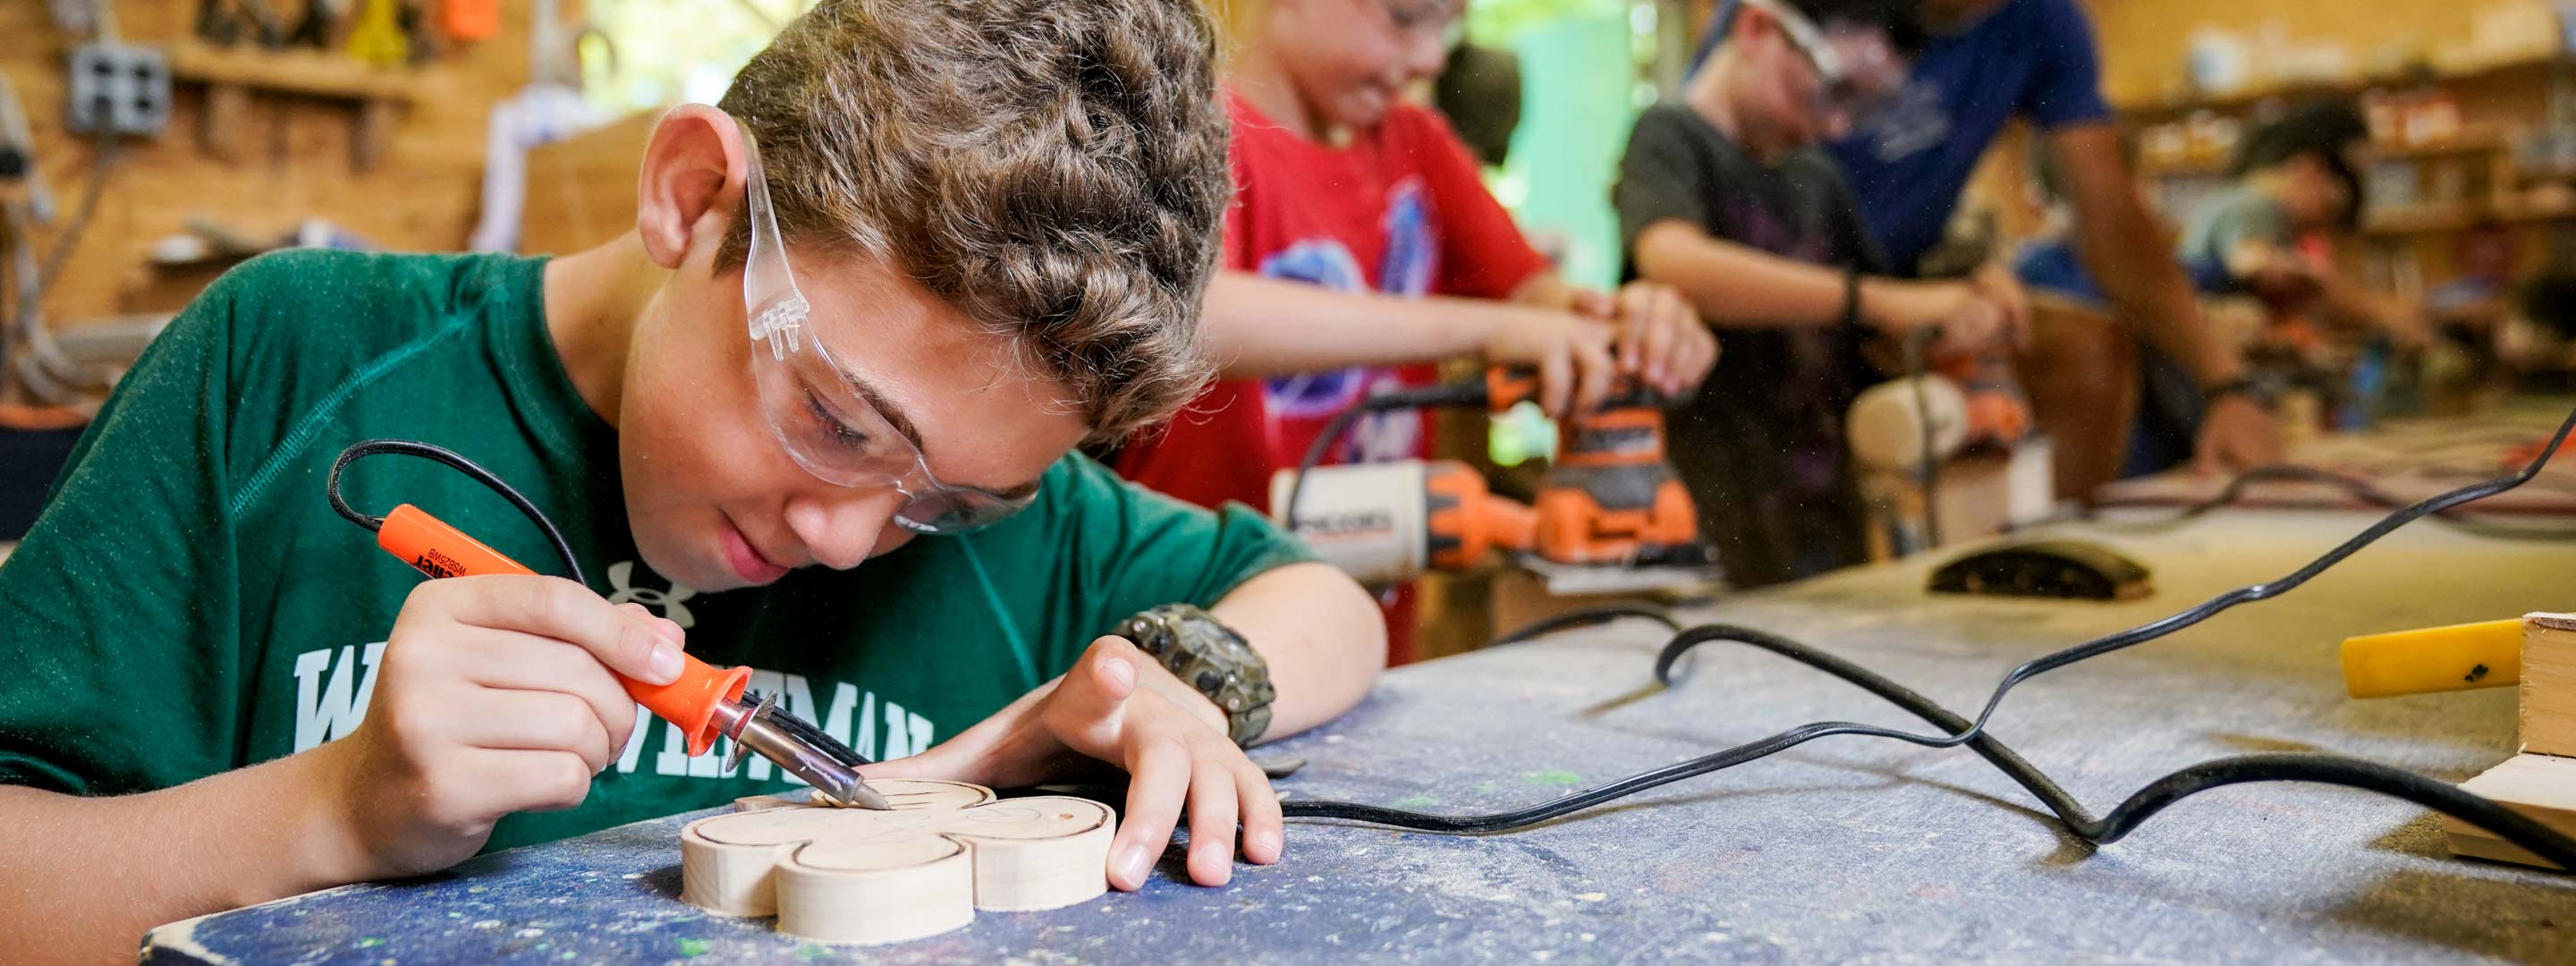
2487, 654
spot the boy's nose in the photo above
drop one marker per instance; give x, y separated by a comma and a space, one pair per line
840, 529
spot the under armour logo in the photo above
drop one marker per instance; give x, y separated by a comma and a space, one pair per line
621, 575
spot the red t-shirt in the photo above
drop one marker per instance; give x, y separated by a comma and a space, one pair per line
1399, 211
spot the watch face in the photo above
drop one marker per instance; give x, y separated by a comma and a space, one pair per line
1212, 659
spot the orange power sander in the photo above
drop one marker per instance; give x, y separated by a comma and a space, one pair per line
1609, 497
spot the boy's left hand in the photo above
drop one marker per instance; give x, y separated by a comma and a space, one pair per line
1662, 341
1170, 752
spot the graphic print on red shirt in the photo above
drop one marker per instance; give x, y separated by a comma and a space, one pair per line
1400, 211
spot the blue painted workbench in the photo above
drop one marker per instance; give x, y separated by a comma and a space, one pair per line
1848, 850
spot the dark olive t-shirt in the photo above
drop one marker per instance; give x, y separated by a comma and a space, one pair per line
189, 603
1760, 446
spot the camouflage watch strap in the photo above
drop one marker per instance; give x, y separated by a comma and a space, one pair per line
1211, 657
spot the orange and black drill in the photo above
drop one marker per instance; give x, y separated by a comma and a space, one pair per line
1609, 496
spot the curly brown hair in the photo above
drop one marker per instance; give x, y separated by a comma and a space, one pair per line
1055, 169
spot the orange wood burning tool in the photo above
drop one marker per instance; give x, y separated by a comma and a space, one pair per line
706, 702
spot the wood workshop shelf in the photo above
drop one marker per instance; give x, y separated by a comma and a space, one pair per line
2435, 217
312, 73
2194, 167
231, 75
2470, 140
2147, 111
2419, 218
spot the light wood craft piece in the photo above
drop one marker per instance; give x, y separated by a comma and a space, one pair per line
853, 875
2542, 787
2549, 684
2541, 782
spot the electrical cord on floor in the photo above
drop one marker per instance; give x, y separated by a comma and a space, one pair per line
452, 460
2137, 808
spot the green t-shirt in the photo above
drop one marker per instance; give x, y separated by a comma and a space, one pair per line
189, 603
2235, 216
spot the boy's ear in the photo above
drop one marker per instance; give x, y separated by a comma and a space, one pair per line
690, 184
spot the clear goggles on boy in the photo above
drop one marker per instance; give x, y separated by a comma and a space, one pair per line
1858, 73
824, 415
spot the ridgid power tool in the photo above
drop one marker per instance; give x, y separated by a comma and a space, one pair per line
1609, 497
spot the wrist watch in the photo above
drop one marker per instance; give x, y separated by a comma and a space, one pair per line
1211, 657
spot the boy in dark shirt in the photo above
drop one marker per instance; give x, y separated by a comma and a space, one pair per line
1715, 191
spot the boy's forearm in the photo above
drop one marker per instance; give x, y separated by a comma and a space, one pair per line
1738, 286
1545, 290
1257, 327
85, 877
1323, 637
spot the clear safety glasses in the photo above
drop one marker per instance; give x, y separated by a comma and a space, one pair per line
826, 417
1858, 73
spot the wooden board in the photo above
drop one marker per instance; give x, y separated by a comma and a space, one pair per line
855, 875
2540, 786
2549, 684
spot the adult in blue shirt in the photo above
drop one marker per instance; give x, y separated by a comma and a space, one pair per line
1988, 62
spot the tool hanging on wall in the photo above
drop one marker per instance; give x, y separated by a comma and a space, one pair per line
325, 25
223, 22
377, 36
706, 703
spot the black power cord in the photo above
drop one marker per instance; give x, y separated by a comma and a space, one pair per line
2137, 808
1472, 392
452, 460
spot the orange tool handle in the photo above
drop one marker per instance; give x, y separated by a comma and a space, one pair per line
1508, 386
434, 548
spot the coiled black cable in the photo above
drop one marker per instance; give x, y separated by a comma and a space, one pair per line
2325, 769
452, 460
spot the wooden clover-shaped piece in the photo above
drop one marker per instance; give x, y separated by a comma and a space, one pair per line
855, 875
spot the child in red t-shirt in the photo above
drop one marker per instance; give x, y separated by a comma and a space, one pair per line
1362, 249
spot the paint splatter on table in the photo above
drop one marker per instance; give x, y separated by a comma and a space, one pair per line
1846, 850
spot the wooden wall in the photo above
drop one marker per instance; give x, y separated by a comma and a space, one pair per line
295, 159
2143, 41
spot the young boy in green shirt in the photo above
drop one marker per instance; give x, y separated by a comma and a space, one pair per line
951, 273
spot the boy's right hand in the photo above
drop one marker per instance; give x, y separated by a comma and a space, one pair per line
1969, 321
494, 696
1570, 351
